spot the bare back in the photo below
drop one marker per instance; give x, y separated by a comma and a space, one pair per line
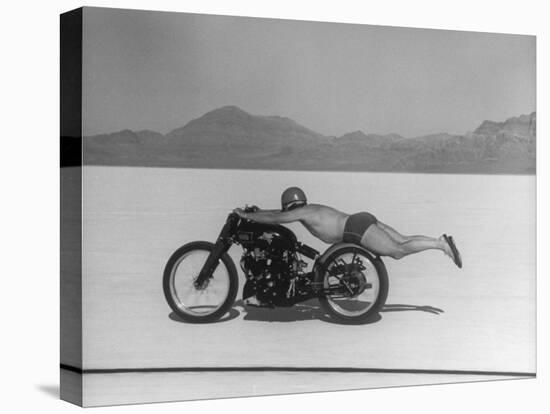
323, 222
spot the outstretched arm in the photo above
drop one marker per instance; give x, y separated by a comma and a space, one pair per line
271, 216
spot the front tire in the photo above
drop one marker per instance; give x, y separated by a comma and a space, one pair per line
355, 284
193, 304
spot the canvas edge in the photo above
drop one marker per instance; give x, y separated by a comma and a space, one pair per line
71, 204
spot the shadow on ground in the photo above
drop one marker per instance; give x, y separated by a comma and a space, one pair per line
405, 308
51, 390
305, 311
232, 314
309, 310
300, 312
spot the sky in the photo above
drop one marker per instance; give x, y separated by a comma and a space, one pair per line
158, 71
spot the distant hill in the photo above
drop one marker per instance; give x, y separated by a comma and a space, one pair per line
371, 140
229, 137
231, 126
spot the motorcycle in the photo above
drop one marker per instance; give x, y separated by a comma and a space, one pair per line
200, 280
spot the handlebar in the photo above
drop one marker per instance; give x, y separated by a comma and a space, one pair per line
247, 209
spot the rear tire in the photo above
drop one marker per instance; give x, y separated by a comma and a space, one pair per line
355, 309
228, 278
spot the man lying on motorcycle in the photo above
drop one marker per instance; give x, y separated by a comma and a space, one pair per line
333, 226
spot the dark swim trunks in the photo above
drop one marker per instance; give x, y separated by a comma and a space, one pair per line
356, 226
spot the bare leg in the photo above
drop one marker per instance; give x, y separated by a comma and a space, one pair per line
398, 237
380, 241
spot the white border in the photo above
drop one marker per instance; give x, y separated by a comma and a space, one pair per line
31, 201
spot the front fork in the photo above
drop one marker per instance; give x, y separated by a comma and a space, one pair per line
211, 264
220, 247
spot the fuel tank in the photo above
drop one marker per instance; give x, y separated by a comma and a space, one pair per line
274, 236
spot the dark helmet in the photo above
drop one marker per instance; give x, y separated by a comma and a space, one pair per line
293, 197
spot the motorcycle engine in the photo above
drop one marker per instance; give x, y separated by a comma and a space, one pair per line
270, 274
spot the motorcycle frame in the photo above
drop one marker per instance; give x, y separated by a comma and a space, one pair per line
226, 239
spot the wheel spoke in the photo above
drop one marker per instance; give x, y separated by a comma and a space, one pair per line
188, 298
359, 278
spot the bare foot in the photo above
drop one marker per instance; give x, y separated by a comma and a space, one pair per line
452, 251
445, 246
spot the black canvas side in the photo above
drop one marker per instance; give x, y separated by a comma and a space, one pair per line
71, 203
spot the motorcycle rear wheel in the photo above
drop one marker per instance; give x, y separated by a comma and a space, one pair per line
193, 304
366, 290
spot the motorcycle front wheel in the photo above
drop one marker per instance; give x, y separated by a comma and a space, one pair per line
206, 303
355, 285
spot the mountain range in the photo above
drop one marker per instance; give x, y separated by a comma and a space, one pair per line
229, 137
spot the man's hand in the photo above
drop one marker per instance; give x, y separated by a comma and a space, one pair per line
240, 212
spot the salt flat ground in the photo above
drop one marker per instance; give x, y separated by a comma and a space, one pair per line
437, 316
